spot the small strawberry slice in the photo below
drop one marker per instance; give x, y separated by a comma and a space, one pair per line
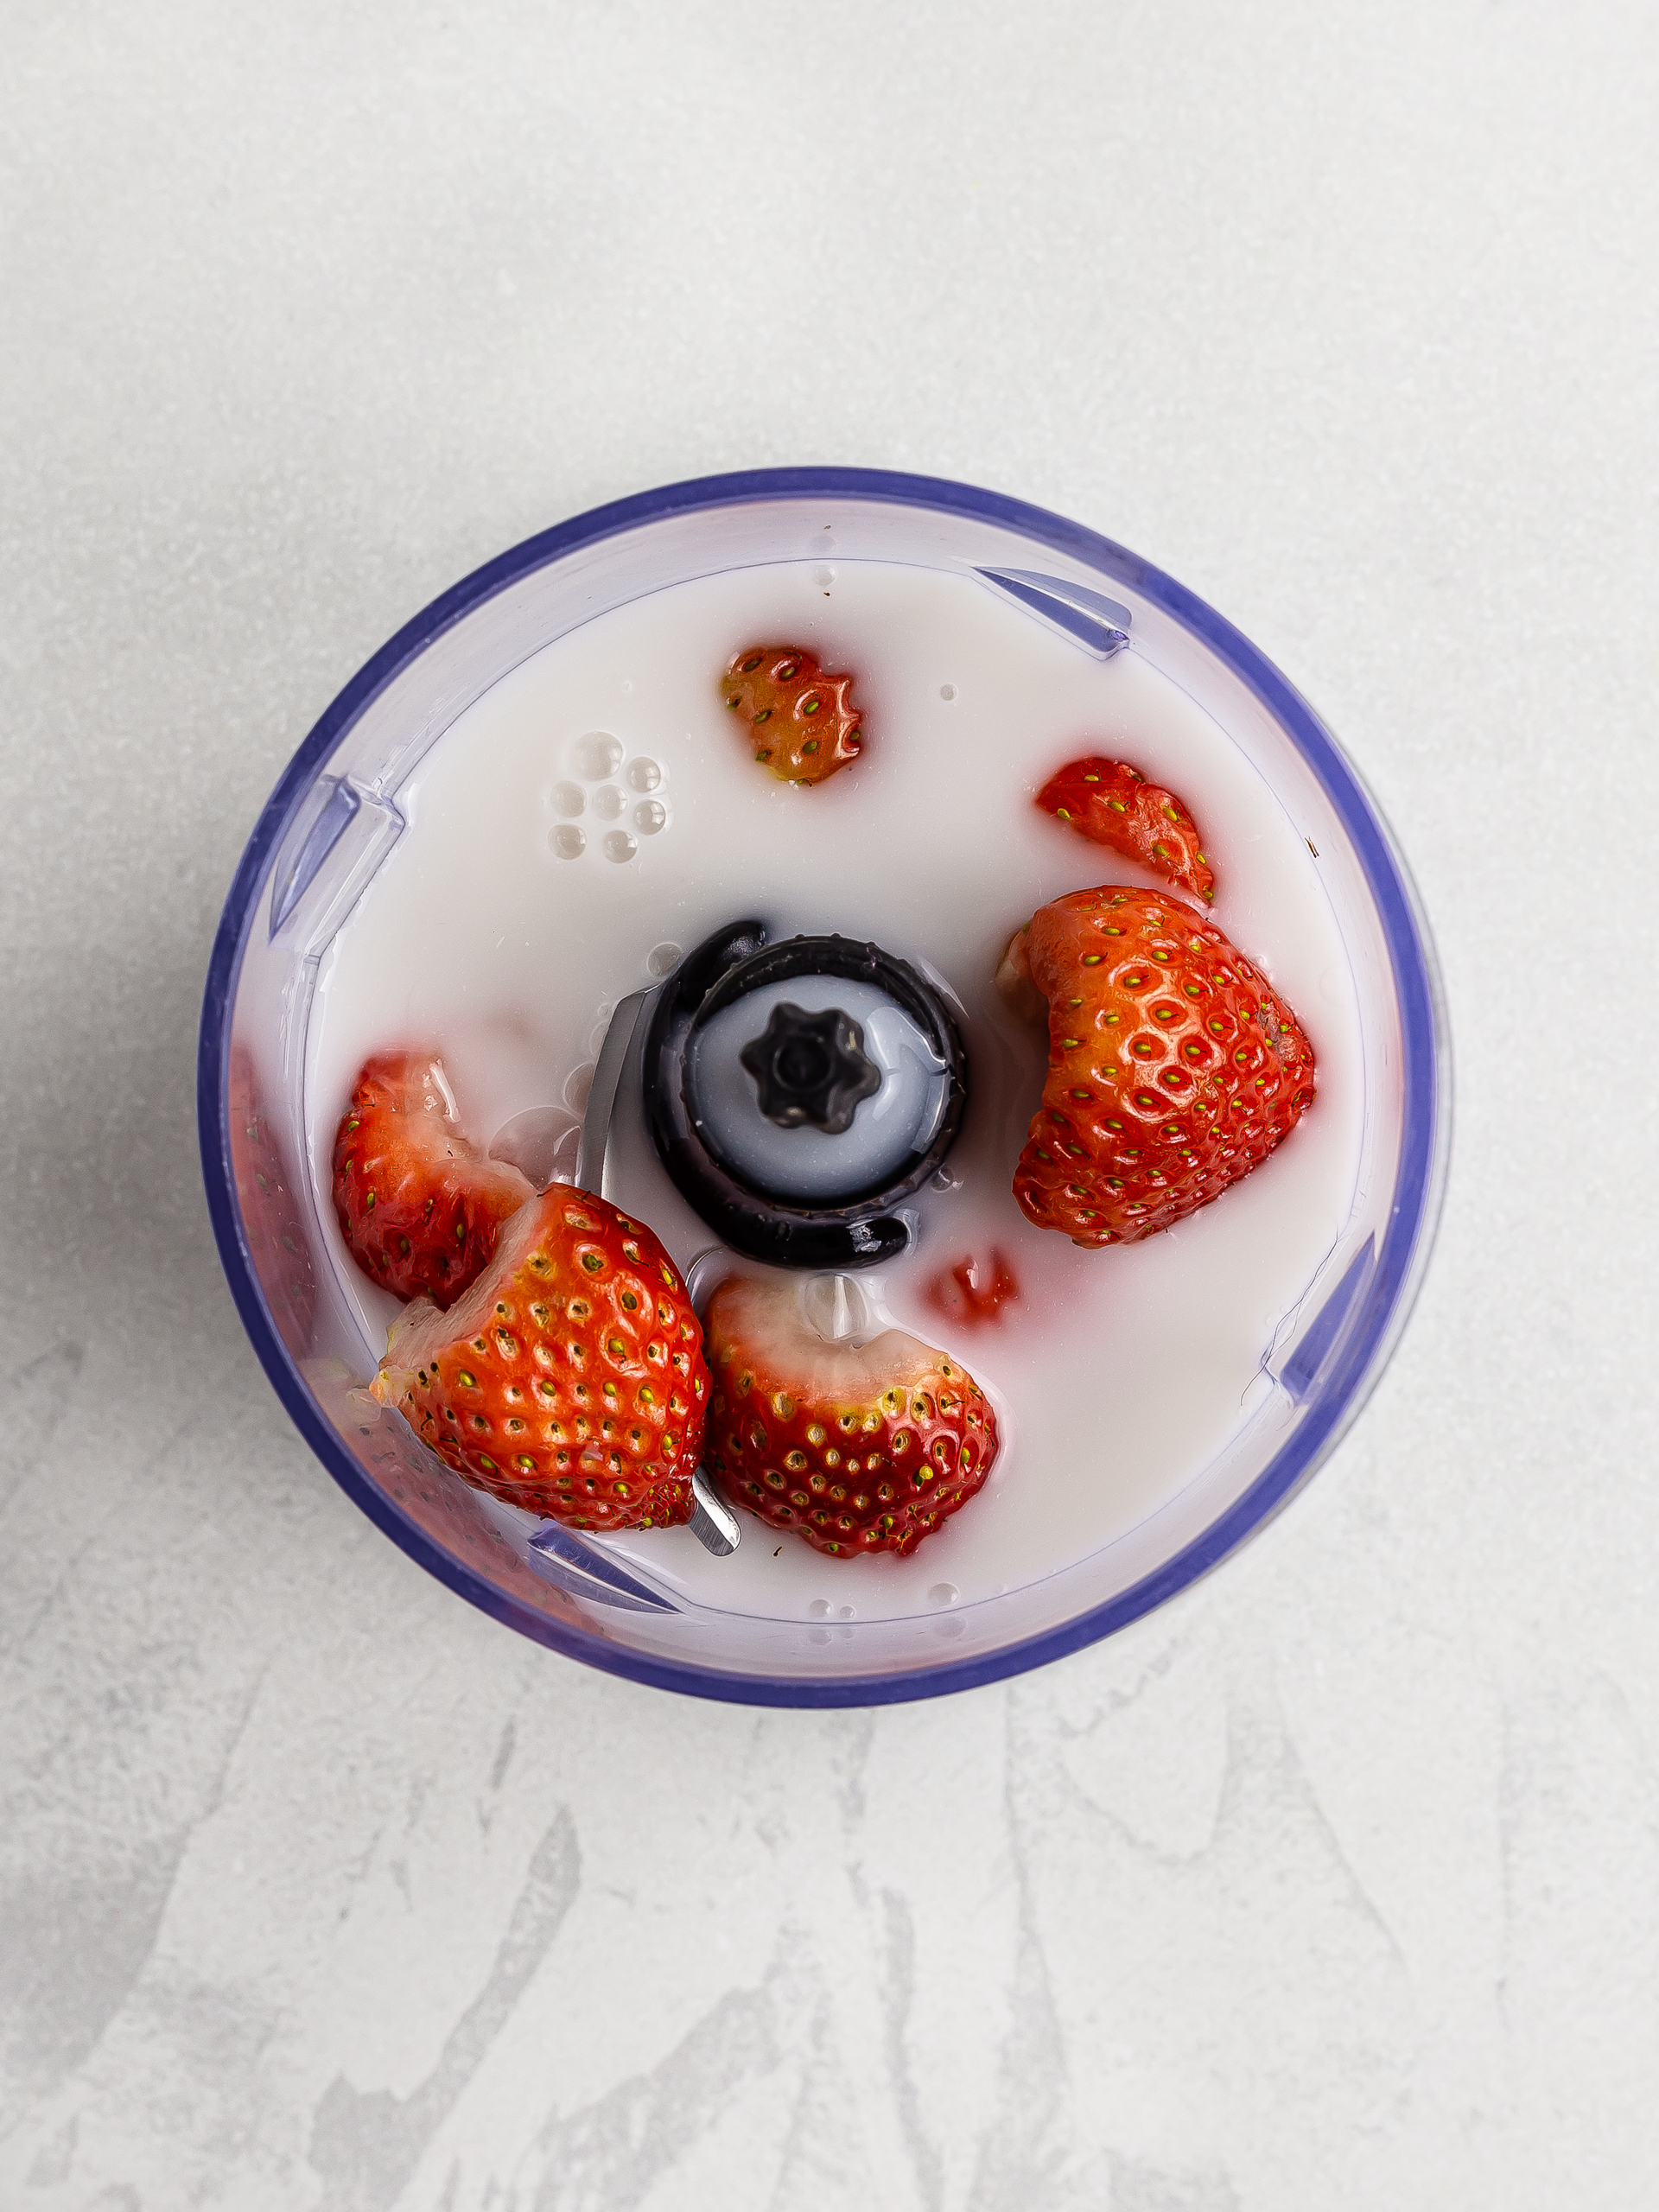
1173, 1067
419, 1203
1112, 803
857, 1447
570, 1379
802, 722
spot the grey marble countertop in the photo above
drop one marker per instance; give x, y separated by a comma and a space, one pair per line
1334, 1883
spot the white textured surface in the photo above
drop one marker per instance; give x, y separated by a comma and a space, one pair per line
1336, 1883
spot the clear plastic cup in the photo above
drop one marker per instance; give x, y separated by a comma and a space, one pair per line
334, 819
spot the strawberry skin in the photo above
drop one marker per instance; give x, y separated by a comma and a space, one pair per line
801, 722
1112, 803
419, 1203
858, 1448
570, 1378
1173, 1069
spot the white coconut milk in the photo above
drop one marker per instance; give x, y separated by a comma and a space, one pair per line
599, 810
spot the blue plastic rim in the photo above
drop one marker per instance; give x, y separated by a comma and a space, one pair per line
1369, 1334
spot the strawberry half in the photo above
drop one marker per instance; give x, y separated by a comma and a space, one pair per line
857, 1447
1173, 1066
1112, 803
570, 1378
802, 722
419, 1203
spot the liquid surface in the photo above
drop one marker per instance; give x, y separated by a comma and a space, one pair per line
597, 813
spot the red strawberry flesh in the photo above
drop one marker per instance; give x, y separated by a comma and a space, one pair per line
570, 1378
857, 1447
1174, 1068
1112, 803
973, 1291
270, 1213
419, 1203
